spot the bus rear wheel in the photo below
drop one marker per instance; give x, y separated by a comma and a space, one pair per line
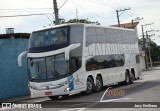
90, 86
99, 84
131, 78
127, 78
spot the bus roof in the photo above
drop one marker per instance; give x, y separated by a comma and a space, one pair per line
86, 25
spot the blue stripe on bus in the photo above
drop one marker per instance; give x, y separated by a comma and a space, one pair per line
71, 85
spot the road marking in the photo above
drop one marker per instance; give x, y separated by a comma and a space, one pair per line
109, 100
101, 100
105, 93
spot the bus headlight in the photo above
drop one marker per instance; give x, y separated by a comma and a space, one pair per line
67, 89
31, 93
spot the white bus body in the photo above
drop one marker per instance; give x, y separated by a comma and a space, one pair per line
86, 58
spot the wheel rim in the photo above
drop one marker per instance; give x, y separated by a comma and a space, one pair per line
89, 85
98, 83
132, 76
127, 78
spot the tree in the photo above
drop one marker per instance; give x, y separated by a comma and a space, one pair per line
63, 21
155, 51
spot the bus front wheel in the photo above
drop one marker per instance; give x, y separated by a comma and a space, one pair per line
90, 86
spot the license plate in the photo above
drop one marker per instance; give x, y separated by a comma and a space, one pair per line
48, 93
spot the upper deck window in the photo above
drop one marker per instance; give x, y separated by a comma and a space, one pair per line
49, 38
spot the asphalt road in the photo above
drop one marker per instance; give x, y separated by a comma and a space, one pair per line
143, 94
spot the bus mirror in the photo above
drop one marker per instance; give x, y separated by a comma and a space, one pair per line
69, 48
20, 58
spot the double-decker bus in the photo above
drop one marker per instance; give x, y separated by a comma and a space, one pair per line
72, 58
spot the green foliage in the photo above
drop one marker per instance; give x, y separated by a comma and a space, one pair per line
63, 21
155, 51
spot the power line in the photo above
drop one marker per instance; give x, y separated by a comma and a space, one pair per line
108, 5
130, 14
69, 11
56, 10
117, 5
90, 11
118, 15
33, 10
64, 17
28, 9
28, 15
145, 19
105, 5
20, 15
24, 15
63, 4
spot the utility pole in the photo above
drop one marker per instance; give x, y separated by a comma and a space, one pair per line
144, 45
118, 18
148, 46
77, 14
56, 12
144, 48
136, 19
118, 15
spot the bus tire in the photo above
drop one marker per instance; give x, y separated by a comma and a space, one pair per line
127, 78
53, 97
90, 86
99, 84
131, 79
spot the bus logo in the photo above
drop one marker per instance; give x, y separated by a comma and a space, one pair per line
6, 105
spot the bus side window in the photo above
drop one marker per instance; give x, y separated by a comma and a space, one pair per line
75, 64
91, 65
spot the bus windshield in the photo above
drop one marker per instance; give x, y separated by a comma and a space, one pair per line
48, 68
49, 37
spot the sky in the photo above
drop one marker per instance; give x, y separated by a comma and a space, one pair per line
103, 11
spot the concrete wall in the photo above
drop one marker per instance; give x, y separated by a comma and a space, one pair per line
13, 79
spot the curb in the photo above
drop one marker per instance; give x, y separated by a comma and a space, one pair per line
17, 99
153, 68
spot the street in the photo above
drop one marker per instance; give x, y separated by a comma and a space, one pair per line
141, 93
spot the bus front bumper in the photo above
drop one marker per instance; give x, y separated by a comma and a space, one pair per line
65, 90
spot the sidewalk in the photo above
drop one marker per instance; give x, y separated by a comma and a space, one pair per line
17, 99
153, 68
